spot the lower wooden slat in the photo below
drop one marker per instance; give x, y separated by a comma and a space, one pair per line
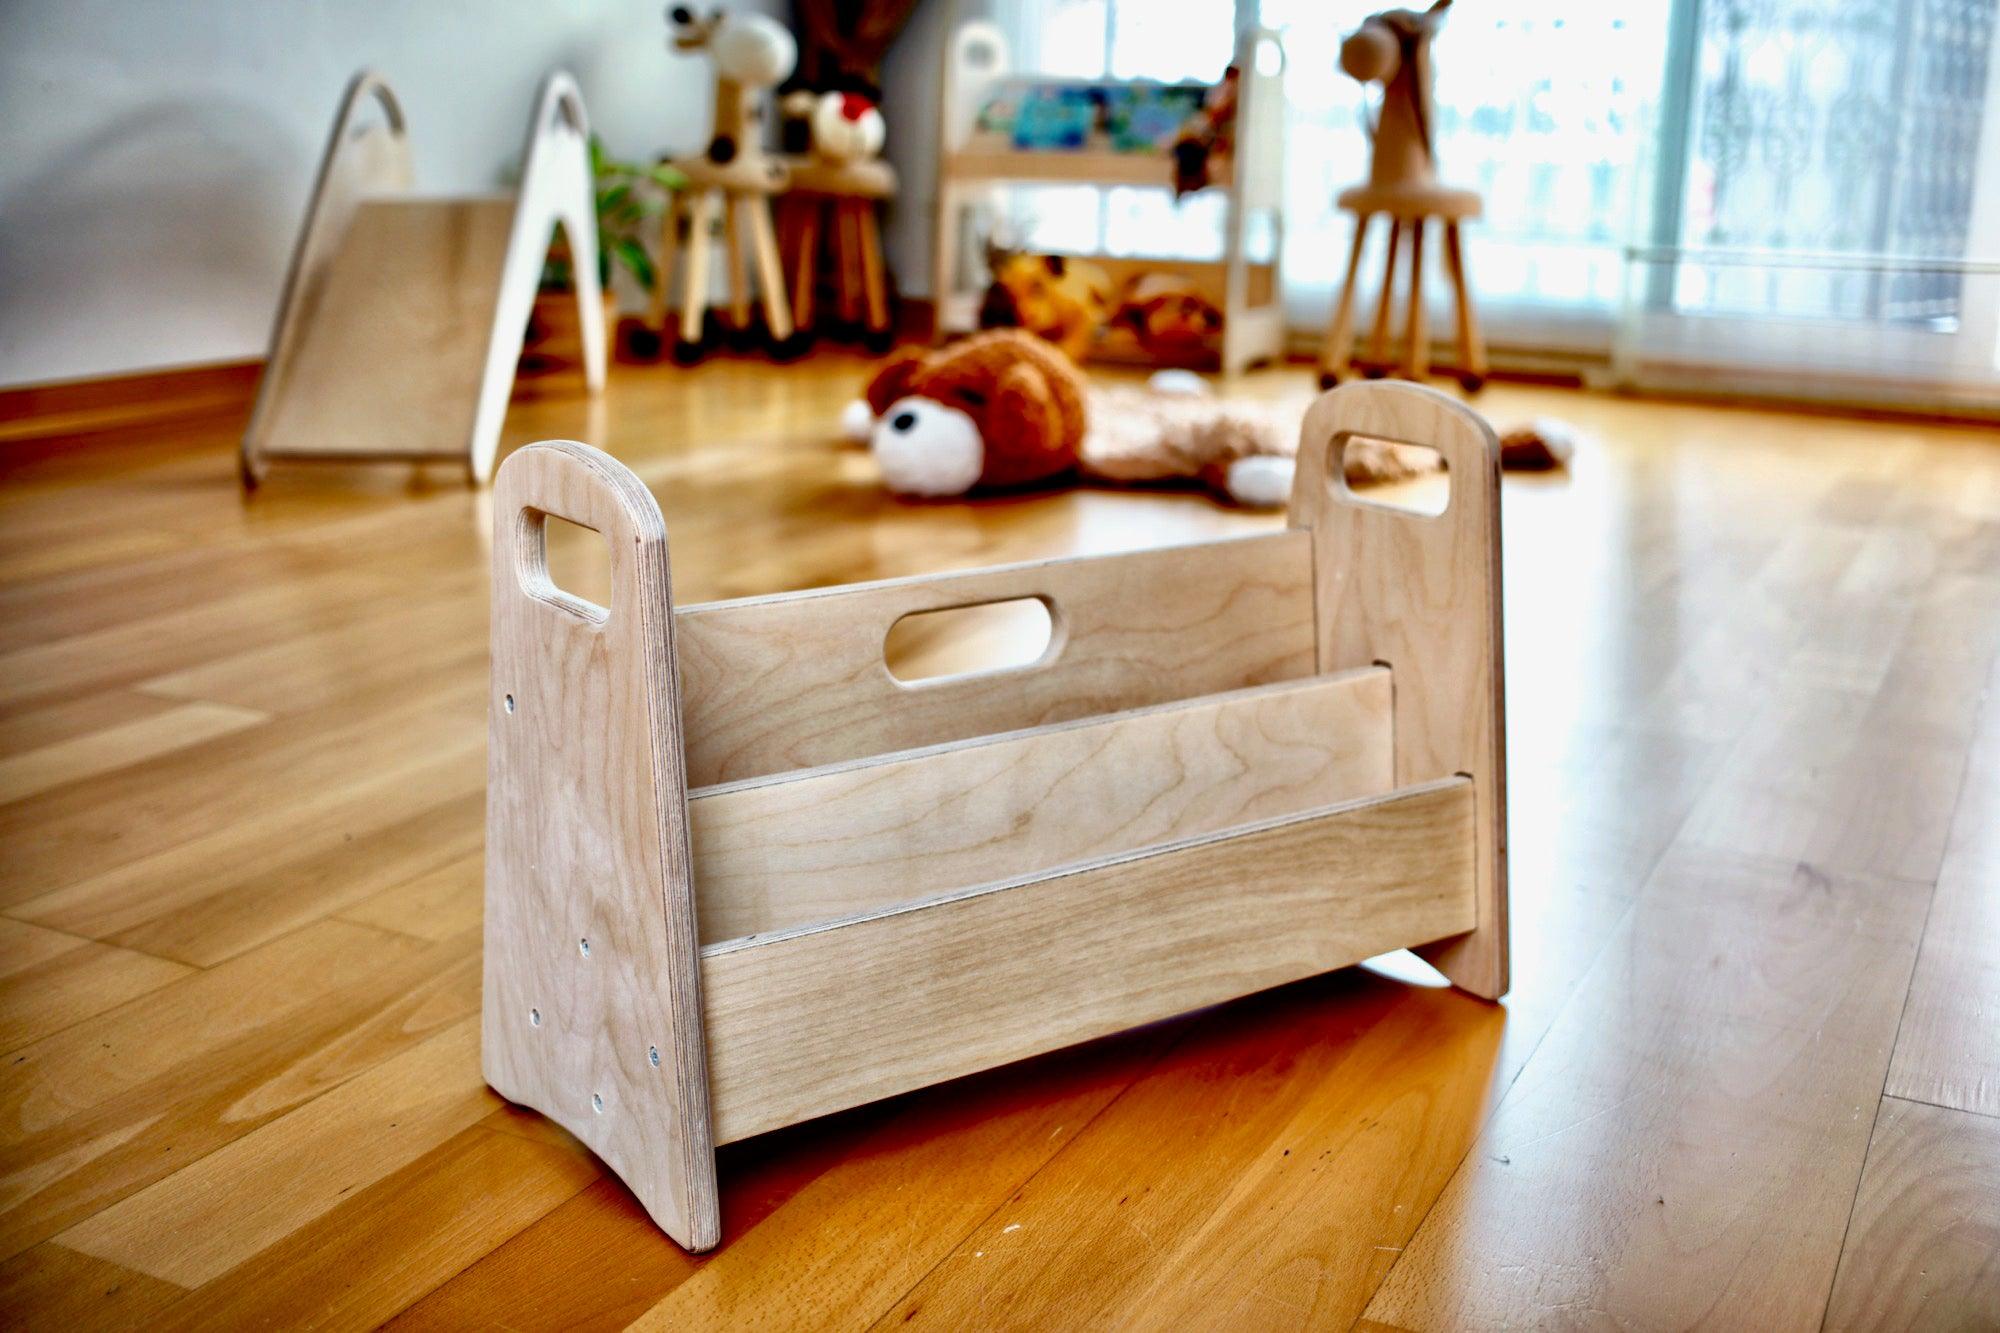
806, 1023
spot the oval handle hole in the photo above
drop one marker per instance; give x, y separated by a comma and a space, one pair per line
929, 646
1391, 474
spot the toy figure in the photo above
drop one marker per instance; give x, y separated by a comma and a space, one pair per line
1005, 408
1063, 300
750, 53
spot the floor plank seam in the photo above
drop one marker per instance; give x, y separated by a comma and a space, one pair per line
1007, 1196
1940, 1106
1667, 845
508, 1239
82, 940
1889, 1064
1847, 1226
1500, 1099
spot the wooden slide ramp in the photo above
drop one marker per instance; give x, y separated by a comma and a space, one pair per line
403, 315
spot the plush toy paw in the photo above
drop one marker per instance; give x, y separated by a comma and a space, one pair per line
1261, 481
857, 422
1179, 384
926, 448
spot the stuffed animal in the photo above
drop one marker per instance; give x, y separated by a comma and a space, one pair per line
1001, 408
1063, 300
1168, 314
1004, 408
835, 127
1543, 444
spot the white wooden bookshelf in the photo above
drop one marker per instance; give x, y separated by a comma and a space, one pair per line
974, 165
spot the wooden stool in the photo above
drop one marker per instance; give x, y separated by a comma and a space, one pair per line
843, 197
1408, 208
742, 189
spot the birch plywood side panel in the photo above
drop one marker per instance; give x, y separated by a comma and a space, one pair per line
592, 1006
799, 681
1420, 593
777, 854
804, 1024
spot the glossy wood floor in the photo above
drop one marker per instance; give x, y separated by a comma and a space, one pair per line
1749, 1075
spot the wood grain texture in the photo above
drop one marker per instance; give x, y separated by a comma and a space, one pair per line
49, 980
1202, 1198
912, 997
798, 681
223, 1210
1684, 1144
771, 854
455, 1203
383, 365
1946, 1052
403, 315
1923, 1248
592, 999
1781, 622
36, 771
1421, 594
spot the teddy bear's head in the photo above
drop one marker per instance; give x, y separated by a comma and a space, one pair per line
1000, 408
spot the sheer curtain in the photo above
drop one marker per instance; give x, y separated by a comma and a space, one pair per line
1827, 208
1797, 188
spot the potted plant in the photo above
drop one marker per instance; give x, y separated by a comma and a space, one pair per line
630, 199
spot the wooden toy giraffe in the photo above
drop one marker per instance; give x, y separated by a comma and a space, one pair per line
750, 54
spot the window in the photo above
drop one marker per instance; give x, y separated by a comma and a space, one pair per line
1765, 179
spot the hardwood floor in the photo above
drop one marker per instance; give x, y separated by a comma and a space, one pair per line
1749, 1073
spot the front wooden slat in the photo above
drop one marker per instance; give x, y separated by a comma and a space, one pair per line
804, 1024
780, 853
799, 681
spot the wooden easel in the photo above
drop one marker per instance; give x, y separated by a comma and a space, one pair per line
403, 316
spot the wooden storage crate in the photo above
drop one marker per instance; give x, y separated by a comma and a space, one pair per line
739, 876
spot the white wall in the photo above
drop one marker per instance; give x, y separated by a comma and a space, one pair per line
155, 157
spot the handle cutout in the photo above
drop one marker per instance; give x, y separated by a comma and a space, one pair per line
928, 647
566, 564
1408, 478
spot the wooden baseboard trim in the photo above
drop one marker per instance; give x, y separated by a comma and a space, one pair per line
116, 402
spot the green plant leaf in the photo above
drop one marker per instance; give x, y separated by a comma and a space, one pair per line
637, 262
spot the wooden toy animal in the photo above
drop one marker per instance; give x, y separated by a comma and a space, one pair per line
838, 181
750, 54
1393, 48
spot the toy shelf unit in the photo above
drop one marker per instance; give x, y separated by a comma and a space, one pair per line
739, 876
404, 314
975, 163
